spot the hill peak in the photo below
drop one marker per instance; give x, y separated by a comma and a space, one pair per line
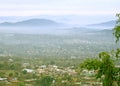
32, 22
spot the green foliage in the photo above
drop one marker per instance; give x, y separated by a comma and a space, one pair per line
21, 84
2, 74
24, 71
117, 33
117, 53
91, 64
105, 67
116, 30
12, 66
105, 64
45, 80
11, 74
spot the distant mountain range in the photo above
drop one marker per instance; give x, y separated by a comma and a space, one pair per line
104, 24
33, 22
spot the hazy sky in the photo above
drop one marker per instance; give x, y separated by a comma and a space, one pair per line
58, 7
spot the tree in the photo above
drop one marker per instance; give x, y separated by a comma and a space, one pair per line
105, 64
21, 83
105, 67
116, 30
11, 74
45, 80
24, 71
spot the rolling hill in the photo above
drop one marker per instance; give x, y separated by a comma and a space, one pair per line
109, 24
33, 22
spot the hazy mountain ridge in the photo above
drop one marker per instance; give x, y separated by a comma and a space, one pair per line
48, 26
104, 24
33, 22
76, 20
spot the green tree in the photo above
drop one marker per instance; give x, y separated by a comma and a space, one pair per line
24, 71
21, 83
45, 80
11, 74
105, 64
116, 30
